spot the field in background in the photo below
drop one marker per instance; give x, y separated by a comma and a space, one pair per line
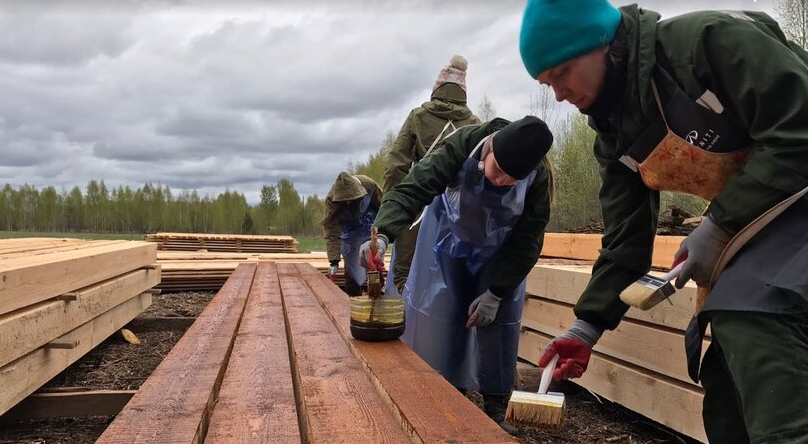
310, 243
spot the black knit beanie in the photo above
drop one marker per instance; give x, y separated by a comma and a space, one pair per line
521, 145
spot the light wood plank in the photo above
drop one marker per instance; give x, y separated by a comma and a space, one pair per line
423, 401
336, 399
587, 246
256, 402
174, 404
26, 329
665, 400
23, 376
27, 280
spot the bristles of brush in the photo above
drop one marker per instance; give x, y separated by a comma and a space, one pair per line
642, 296
535, 410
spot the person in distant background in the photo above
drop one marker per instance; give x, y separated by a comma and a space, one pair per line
423, 129
350, 208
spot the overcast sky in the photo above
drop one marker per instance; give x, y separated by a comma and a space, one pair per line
210, 95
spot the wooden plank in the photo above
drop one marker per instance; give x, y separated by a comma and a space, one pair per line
24, 375
587, 246
27, 252
174, 404
257, 401
336, 400
73, 405
27, 280
659, 350
424, 403
565, 283
663, 399
26, 329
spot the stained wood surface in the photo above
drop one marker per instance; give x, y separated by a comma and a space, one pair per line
30, 279
174, 404
665, 400
24, 330
256, 402
24, 375
421, 399
337, 401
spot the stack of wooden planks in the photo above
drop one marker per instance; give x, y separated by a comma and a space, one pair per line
223, 242
208, 271
271, 359
59, 298
641, 364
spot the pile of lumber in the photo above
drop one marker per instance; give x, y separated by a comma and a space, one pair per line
59, 298
271, 359
640, 365
223, 242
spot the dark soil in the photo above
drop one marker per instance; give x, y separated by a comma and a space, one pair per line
116, 364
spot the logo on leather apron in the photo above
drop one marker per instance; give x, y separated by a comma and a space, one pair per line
706, 142
692, 137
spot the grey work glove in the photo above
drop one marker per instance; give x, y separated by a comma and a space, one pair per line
703, 246
483, 310
574, 348
364, 250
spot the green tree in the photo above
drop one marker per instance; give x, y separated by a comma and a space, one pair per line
290, 208
377, 162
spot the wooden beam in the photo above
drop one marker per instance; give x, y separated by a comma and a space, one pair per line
665, 400
336, 400
29, 328
174, 404
659, 350
24, 375
587, 246
565, 283
27, 280
63, 344
74, 405
424, 403
256, 402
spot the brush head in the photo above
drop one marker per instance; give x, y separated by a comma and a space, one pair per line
647, 292
540, 410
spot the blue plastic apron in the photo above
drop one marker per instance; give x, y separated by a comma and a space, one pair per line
354, 232
390, 290
461, 231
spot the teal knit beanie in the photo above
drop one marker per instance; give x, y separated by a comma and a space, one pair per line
555, 31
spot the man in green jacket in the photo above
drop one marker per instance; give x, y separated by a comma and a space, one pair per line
711, 104
350, 208
423, 129
487, 189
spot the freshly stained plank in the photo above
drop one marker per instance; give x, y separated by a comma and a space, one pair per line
421, 399
665, 400
27, 280
256, 402
173, 405
586, 246
24, 330
659, 350
24, 375
76, 404
565, 283
336, 400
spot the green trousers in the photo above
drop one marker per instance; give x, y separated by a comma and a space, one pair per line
755, 376
405, 248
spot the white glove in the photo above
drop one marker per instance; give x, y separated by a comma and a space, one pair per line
704, 246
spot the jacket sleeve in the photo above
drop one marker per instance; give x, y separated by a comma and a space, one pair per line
768, 97
403, 204
332, 229
630, 211
521, 251
400, 157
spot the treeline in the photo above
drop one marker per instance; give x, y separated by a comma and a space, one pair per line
154, 207
281, 210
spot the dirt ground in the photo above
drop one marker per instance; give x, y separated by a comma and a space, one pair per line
116, 364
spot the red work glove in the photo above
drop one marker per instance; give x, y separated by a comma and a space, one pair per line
573, 347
